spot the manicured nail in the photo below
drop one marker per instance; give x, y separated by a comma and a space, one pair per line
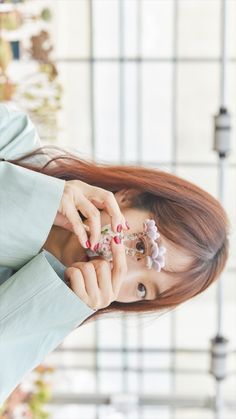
127, 225
119, 228
117, 239
96, 247
88, 244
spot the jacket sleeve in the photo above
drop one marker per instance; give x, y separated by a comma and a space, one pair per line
37, 308
28, 200
37, 312
18, 133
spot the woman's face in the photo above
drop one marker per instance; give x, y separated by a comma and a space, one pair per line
140, 282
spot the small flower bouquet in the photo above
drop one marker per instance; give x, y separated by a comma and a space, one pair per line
29, 403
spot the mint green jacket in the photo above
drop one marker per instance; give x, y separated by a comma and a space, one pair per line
37, 309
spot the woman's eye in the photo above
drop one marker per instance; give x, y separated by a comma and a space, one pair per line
140, 288
140, 246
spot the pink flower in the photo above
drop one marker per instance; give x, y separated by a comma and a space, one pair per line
157, 253
154, 250
107, 239
151, 229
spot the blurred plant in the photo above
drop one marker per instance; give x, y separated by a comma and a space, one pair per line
5, 54
40, 50
12, 1
46, 14
29, 404
7, 87
10, 20
40, 93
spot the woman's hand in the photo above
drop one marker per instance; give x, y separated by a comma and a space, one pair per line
96, 282
87, 199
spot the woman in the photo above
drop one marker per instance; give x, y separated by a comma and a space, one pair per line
193, 228
193, 225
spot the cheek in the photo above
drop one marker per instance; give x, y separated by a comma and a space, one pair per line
127, 291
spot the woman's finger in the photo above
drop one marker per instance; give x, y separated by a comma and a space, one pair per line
78, 227
80, 197
101, 284
62, 221
120, 268
75, 277
97, 281
111, 206
115, 270
93, 217
103, 271
91, 284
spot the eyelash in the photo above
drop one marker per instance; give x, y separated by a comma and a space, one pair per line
144, 244
140, 283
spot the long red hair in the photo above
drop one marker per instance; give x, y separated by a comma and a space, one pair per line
185, 214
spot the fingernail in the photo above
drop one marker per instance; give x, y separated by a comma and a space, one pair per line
119, 228
88, 244
96, 247
117, 239
127, 225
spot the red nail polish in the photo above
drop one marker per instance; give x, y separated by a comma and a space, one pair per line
96, 247
88, 244
117, 239
119, 228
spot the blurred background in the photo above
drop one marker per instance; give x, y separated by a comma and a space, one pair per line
133, 81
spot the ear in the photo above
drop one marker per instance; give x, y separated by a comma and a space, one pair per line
124, 196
